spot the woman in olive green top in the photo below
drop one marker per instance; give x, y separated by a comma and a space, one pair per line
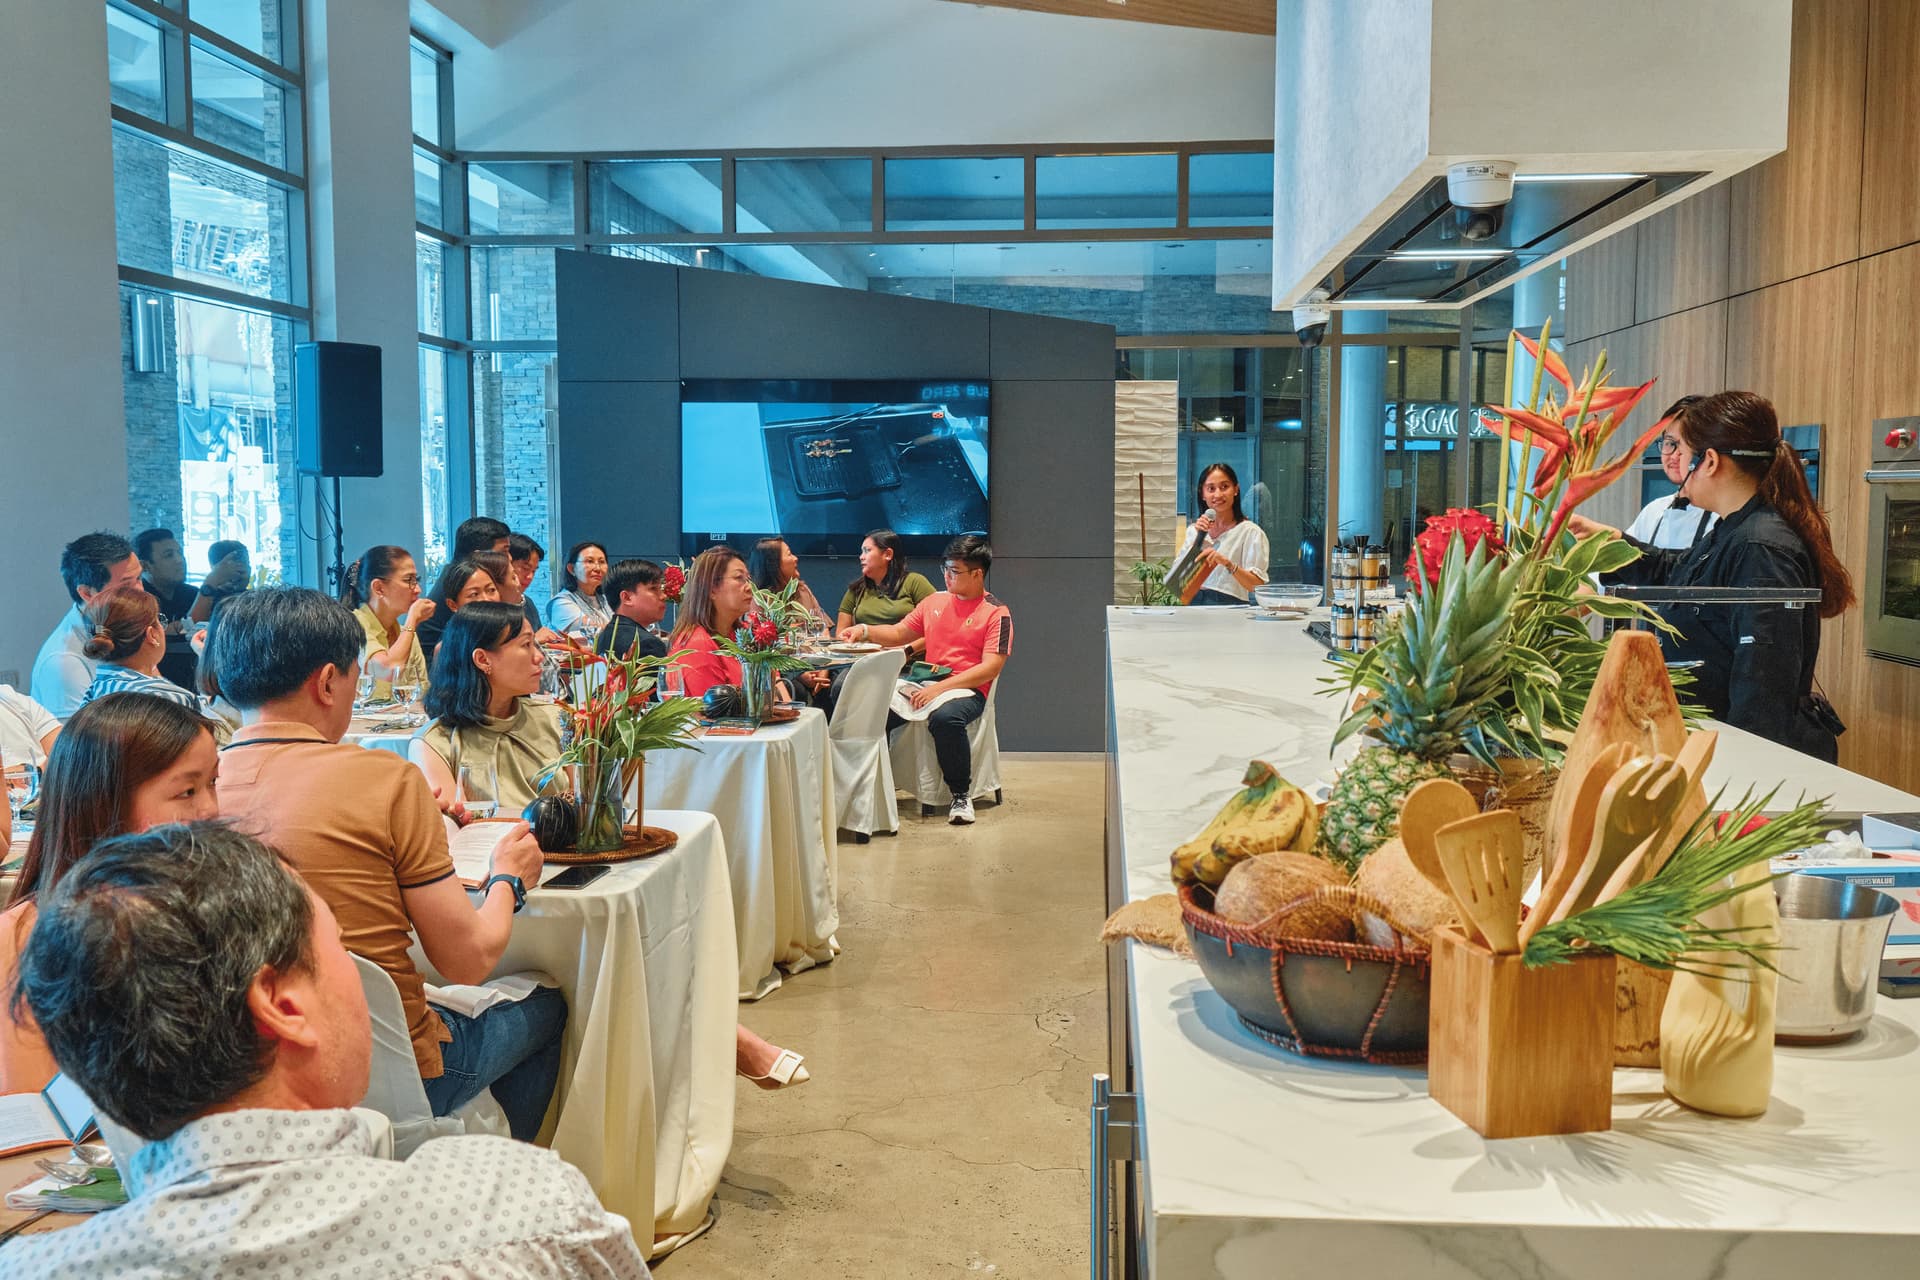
384, 587
484, 717
885, 592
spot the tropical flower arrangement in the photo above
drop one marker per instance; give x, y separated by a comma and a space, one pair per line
763, 642
673, 583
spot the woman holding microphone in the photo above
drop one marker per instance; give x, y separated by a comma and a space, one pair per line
1235, 555
1756, 660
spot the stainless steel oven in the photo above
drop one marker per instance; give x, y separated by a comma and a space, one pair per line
1893, 542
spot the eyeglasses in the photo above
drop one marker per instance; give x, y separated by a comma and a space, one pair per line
955, 570
1670, 444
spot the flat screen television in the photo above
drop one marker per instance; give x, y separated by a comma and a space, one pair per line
821, 463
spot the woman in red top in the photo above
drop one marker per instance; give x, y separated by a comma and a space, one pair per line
718, 594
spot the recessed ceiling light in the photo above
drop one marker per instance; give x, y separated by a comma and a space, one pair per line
1577, 177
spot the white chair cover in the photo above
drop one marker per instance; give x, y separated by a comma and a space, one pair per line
394, 1088
916, 768
862, 770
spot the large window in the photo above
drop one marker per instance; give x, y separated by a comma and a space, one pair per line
209, 154
446, 494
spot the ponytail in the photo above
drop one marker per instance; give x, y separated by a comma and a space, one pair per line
1784, 488
350, 591
1743, 428
378, 563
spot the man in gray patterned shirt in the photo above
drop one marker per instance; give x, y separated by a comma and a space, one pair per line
197, 990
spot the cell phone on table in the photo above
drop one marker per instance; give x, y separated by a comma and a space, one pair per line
578, 877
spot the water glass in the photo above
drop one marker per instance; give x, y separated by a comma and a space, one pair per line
23, 790
366, 686
478, 806
673, 683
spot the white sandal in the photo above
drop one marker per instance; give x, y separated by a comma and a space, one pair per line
786, 1070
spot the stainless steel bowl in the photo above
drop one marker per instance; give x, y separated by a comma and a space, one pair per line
1831, 937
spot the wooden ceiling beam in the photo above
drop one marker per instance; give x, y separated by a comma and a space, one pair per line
1249, 17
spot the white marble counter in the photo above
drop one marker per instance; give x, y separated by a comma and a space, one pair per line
1262, 1163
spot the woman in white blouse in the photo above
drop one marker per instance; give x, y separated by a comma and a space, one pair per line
580, 610
1236, 549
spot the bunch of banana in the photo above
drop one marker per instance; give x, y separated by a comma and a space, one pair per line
1268, 814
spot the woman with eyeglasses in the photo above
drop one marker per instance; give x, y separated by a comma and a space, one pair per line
579, 609
383, 586
1672, 522
1756, 660
1235, 556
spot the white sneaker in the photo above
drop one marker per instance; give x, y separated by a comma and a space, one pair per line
961, 815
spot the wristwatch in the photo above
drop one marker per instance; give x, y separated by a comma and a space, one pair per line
513, 882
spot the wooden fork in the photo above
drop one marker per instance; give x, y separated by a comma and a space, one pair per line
1634, 809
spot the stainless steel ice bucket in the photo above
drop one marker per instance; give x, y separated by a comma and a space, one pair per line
1831, 937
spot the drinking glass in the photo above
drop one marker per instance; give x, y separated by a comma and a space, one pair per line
366, 686
478, 806
673, 683
23, 791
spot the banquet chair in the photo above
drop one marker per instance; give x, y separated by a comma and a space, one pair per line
394, 1088
916, 767
857, 735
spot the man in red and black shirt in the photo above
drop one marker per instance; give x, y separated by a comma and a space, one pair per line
971, 632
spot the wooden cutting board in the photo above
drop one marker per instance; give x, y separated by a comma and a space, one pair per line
1632, 704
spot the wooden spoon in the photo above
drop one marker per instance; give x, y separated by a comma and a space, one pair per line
1484, 858
1580, 822
1430, 806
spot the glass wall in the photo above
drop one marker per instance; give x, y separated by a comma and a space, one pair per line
209, 212
439, 262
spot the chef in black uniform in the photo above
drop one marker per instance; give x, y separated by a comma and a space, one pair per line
1756, 669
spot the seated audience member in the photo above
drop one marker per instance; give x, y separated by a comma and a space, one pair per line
514, 592
486, 719
580, 610
464, 582
718, 594
364, 829
164, 575
773, 565
126, 762
128, 642
200, 994
89, 565
634, 591
221, 714
971, 632
484, 716
229, 572
479, 533
27, 730
886, 590
527, 555
383, 589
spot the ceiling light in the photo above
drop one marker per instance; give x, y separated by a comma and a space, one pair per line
1446, 255
1578, 177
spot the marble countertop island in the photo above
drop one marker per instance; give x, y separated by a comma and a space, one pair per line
1260, 1163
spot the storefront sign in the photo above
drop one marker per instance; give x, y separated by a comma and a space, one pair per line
1429, 420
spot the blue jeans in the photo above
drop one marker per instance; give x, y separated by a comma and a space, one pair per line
513, 1048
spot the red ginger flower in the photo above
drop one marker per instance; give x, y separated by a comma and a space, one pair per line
673, 580
1472, 526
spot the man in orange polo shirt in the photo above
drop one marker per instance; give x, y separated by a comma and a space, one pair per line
966, 629
363, 829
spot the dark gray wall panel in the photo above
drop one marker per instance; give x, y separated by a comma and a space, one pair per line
620, 466
1052, 480
738, 326
618, 317
1040, 347
1053, 698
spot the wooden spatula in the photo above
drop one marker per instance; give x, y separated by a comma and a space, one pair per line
1579, 831
1430, 806
1484, 857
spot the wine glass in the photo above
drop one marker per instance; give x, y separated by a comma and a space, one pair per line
366, 686
23, 791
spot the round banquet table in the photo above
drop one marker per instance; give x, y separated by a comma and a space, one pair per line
773, 794
645, 955
379, 733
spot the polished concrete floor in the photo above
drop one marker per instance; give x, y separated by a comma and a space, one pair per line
944, 1131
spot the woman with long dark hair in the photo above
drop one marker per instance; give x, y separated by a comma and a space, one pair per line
886, 590
466, 581
1757, 661
484, 717
128, 642
383, 589
124, 762
718, 593
773, 565
579, 609
1235, 556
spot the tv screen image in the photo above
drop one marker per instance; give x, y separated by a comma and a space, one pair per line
821, 463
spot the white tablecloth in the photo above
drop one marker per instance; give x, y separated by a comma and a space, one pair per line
773, 795
367, 731
645, 955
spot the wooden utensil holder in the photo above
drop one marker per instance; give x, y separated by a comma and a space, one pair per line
1518, 1052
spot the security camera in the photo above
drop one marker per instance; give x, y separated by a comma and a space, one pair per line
1480, 191
1310, 319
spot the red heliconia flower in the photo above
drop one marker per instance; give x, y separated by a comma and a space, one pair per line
1587, 483
1554, 365
1473, 528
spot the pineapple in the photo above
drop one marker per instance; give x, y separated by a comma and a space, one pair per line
1433, 685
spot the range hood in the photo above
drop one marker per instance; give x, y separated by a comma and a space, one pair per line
1602, 114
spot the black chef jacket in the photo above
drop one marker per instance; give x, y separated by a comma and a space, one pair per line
1757, 660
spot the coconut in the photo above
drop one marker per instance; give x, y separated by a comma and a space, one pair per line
1275, 891
1387, 876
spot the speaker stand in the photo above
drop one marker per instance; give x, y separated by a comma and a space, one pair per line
337, 574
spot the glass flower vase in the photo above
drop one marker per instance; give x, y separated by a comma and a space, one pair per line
756, 689
601, 790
